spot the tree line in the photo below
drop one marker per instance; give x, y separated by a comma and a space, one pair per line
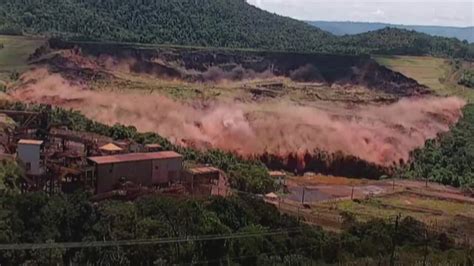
209, 23
38, 218
447, 159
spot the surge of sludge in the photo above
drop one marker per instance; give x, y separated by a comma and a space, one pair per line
382, 134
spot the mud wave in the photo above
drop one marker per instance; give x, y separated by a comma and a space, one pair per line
382, 134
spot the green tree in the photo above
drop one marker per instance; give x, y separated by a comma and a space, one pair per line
11, 176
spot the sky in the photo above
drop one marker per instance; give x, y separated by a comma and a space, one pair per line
408, 12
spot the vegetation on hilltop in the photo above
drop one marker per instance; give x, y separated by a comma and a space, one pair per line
405, 42
351, 27
214, 23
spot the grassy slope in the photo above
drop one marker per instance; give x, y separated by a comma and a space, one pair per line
418, 207
456, 217
14, 55
436, 73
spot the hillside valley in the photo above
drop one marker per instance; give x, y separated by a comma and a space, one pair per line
231, 99
212, 132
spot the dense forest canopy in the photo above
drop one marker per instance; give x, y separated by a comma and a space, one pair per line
215, 23
448, 160
39, 218
218, 23
400, 41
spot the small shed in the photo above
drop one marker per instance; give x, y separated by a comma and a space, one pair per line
128, 145
271, 196
279, 177
110, 148
201, 180
155, 147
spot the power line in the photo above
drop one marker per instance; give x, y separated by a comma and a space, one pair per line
275, 253
36, 246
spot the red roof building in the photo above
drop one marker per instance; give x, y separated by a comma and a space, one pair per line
147, 169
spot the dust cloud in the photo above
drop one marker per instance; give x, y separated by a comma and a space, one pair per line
382, 134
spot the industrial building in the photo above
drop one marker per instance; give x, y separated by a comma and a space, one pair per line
29, 153
64, 160
147, 169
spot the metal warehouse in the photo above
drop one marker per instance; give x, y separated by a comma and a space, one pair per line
147, 169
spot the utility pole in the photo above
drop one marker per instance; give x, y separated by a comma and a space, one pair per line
425, 252
302, 196
394, 241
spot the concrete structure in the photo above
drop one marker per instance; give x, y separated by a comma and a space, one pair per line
29, 153
153, 147
147, 169
205, 181
130, 146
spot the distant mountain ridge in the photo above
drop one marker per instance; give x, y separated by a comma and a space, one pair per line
349, 27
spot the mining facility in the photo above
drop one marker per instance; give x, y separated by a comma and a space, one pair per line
56, 159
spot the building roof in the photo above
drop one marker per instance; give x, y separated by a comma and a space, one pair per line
276, 173
133, 157
30, 142
79, 136
155, 145
110, 147
271, 195
203, 170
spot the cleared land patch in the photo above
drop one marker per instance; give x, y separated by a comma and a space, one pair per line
15, 53
438, 74
326, 203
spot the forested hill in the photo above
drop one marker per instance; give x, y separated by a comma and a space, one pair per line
349, 27
216, 23
406, 42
